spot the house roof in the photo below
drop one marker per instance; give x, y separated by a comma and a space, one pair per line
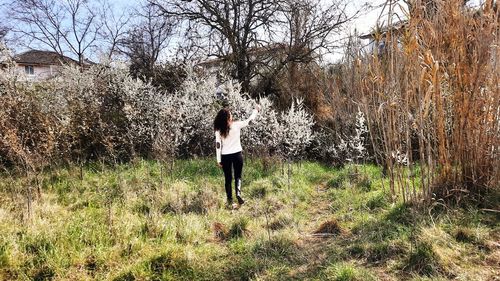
37, 57
396, 27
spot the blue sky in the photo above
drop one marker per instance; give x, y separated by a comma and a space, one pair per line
363, 24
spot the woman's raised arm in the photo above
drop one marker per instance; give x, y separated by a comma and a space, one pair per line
252, 117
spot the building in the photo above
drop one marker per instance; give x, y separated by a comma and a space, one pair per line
39, 65
375, 41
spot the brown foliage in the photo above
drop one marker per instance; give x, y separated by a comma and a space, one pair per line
221, 231
329, 227
27, 132
433, 96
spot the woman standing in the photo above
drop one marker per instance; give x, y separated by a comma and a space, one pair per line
228, 149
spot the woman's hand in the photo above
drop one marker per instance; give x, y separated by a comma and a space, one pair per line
257, 107
219, 165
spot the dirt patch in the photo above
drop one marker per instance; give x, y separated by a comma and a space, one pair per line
221, 232
328, 228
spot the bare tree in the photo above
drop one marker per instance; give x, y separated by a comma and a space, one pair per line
232, 28
309, 28
146, 40
258, 38
63, 26
114, 28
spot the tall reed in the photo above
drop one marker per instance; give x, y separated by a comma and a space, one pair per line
432, 100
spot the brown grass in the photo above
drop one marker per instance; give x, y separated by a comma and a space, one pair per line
330, 227
221, 232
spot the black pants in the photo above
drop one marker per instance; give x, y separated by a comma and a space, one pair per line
230, 162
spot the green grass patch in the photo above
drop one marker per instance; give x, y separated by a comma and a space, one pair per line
422, 260
149, 220
347, 272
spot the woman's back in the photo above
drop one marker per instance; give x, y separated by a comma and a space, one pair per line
231, 143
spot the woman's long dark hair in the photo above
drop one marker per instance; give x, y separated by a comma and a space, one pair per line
221, 122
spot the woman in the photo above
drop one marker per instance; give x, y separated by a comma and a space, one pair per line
228, 150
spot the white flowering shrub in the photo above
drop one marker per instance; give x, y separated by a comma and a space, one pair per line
262, 135
97, 125
295, 131
338, 148
356, 145
198, 101
103, 113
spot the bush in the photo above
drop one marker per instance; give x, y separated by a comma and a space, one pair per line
104, 114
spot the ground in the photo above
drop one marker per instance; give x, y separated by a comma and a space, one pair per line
146, 221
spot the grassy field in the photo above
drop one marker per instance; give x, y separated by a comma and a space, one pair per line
141, 221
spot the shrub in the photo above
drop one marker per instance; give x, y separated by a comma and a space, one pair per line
102, 113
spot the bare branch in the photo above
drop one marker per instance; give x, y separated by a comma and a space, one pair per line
62, 26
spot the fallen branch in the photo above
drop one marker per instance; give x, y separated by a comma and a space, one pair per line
491, 210
322, 235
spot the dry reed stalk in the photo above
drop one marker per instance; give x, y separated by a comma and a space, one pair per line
435, 89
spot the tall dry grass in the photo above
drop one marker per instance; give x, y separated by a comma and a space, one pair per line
432, 101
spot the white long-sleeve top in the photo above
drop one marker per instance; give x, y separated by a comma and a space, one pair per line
231, 143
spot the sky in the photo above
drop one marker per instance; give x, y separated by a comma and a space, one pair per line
364, 23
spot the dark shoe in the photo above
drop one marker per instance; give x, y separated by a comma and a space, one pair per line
240, 200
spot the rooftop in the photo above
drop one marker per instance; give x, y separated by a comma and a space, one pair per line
37, 57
